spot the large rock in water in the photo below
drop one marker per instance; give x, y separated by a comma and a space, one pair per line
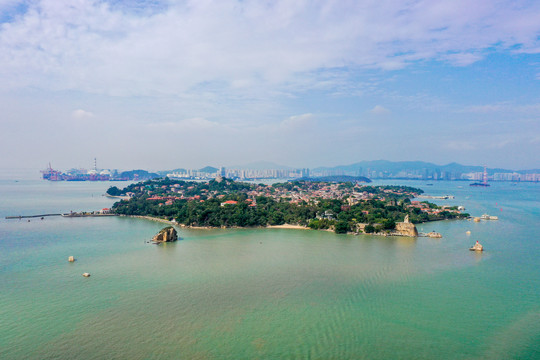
406, 228
167, 234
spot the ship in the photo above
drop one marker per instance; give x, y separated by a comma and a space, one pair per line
51, 174
484, 183
479, 184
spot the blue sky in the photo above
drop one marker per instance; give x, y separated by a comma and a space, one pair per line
167, 84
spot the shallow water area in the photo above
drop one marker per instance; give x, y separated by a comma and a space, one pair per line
267, 293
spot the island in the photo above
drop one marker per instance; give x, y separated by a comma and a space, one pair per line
342, 207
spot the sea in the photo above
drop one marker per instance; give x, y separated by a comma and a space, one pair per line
267, 293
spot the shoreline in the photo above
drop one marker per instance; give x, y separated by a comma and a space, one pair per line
174, 223
151, 218
287, 226
283, 226
121, 197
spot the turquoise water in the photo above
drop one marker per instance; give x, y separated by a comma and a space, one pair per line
298, 294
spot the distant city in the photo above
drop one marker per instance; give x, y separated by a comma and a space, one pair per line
379, 169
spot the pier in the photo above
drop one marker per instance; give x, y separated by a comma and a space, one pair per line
72, 214
31, 216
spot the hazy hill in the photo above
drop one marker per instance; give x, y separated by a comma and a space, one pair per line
209, 169
138, 175
397, 166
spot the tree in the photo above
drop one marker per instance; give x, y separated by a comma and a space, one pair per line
341, 227
369, 229
114, 191
389, 224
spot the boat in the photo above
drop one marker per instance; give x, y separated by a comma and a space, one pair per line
489, 217
86, 274
479, 184
477, 247
484, 182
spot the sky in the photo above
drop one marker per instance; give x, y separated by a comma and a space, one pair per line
183, 84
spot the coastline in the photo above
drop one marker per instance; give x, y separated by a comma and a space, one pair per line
151, 218
287, 226
174, 223
283, 226
121, 197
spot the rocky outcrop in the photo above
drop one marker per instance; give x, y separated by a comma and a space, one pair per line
167, 234
406, 228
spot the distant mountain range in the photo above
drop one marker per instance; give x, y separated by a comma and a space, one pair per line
336, 178
385, 166
366, 168
398, 166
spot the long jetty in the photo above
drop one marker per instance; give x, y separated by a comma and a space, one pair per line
74, 214
30, 216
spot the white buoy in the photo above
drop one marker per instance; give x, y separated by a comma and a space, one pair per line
71, 259
468, 232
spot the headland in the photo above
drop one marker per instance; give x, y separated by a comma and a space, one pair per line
343, 207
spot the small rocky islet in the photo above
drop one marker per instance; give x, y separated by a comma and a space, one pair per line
167, 234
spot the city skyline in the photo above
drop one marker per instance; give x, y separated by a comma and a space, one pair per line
361, 171
161, 84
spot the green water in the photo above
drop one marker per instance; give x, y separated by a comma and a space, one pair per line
267, 294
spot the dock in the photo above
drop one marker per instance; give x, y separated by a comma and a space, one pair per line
72, 214
31, 216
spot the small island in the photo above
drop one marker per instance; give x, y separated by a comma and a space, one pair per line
343, 207
167, 234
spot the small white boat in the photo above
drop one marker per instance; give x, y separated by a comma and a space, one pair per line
86, 274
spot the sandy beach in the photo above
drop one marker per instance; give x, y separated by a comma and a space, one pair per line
287, 226
152, 219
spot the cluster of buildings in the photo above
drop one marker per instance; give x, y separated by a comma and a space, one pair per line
239, 174
431, 174
434, 211
306, 192
95, 174
477, 176
79, 175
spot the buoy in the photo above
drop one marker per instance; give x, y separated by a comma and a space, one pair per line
86, 274
468, 232
71, 259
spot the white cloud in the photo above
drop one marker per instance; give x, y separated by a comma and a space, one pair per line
296, 121
379, 110
462, 59
179, 47
81, 114
186, 124
460, 145
504, 107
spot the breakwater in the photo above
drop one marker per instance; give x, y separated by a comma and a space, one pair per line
64, 215
30, 216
